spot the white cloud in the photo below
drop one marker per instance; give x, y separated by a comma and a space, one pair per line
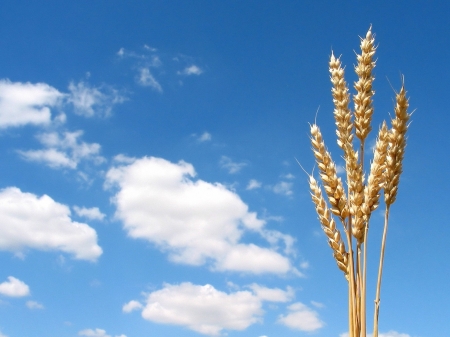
301, 317
89, 101
26, 103
202, 308
131, 306
228, 164
191, 70
147, 80
283, 187
96, 333
90, 213
31, 222
194, 221
64, 150
34, 305
390, 333
204, 137
272, 294
2, 335
317, 304
14, 288
253, 184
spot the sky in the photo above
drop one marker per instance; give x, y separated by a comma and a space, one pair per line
149, 183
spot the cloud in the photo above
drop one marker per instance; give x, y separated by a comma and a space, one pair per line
2, 335
228, 164
34, 305
14, 288
191, 70
90, 213
204, 137
253, 184
26, 103
31, 222
194, 221
202, 308
146, 79
63, 150
96, 333
272, 294
89, 101
301, 317
131, 306
283, 187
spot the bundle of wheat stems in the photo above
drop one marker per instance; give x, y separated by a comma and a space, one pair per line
354, 208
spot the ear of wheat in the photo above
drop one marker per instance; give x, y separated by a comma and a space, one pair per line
354, 207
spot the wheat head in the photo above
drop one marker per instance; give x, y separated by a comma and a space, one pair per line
397, 145
332, 184
329, 227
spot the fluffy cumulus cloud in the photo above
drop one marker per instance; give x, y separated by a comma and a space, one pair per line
90, 213
31, 222
283, 187
202, 308
64, 150
193, 220
26, 103
89, 101
301, 317
14, 288
96, 333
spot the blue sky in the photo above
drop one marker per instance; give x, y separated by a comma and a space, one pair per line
149, 184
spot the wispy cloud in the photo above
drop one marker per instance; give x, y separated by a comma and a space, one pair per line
283, 188
34, 305
90, 213
205, 137
89, 101
146, 79
96, 333
232, 167
191, 70
253, 184
63, 150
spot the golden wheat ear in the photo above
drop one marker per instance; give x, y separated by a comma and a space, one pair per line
375, 181
329, 226
397, 145
332, 184
364, 92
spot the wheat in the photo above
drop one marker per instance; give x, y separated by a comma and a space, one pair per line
375, 181
364, 92
329, 226
332, 184
397, 144
356, 209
